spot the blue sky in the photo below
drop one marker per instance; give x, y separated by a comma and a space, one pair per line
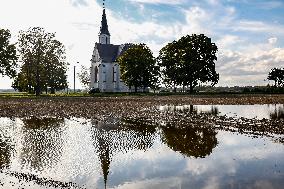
249, 33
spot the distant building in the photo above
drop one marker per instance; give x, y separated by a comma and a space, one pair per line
105, 71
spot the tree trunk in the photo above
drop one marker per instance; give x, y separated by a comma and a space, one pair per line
175, 89
191, 109
52, 90
37, 89
190, 88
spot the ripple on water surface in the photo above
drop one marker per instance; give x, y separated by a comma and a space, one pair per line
86, 153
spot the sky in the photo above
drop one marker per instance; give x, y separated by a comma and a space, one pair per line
249, 33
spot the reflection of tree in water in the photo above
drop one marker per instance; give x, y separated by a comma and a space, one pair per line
194, 139
7, 144
111, 138
5, 151
190, 141
191, 109
42, 142
278, 113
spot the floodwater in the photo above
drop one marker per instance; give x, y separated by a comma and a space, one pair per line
85, 153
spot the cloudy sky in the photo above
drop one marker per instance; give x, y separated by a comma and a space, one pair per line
248, 33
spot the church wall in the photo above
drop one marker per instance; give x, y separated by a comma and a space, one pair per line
94, 63
108, 79
119, 85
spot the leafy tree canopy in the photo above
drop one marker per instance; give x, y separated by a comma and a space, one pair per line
277, 75
188, 61
138, 67
84, 76
44, 63
8, 57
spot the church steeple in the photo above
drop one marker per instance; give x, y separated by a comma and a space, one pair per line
104, 35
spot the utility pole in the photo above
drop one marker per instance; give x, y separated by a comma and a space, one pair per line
75, 77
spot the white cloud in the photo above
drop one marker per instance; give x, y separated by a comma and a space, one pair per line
212, 183
272, 40
227, 41
258, 27
248, 68
169, 2
77, 23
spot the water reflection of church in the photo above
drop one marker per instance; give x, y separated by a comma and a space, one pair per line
43, 142
111, 137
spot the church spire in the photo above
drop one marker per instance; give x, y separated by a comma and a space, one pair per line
104, 35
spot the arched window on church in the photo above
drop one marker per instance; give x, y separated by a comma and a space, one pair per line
114, 73
104, 76
96, 74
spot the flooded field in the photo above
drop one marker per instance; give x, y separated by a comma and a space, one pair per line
164, 145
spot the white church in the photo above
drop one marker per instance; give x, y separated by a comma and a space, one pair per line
105, 71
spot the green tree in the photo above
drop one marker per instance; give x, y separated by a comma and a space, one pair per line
44, 62
138, 67
8, 57
84, 76
277, 75
189, 61
169, 61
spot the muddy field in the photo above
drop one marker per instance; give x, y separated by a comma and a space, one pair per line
129, 106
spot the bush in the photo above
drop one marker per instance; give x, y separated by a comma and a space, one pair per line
93, 91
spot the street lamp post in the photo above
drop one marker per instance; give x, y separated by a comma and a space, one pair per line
75, 77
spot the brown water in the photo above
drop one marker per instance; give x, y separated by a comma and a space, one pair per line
80, 153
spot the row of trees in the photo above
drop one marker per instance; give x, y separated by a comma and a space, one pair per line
185, 62
43, 61
277, 75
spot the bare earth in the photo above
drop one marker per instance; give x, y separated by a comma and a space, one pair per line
90, 107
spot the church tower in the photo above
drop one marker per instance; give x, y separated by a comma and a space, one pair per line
105, 70
104, 35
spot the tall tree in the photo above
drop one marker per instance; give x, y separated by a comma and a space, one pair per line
8, 57
44, 62
277, 75
138, 67
189, 61
168, 60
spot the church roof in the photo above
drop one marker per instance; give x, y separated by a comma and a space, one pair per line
104, 26
109, 52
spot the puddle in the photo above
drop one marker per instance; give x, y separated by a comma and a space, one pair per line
266, 111
86, 153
